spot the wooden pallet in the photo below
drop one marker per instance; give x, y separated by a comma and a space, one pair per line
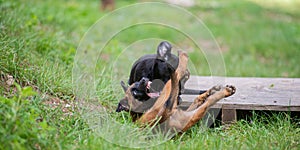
276, 94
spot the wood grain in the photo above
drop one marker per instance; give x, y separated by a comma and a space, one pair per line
282, 94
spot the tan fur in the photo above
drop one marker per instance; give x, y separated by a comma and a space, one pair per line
170, 91
164, 109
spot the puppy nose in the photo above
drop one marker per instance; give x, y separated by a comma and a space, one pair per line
119, 108
144, 79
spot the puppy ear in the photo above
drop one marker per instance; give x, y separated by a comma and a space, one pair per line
124, 86
164, 49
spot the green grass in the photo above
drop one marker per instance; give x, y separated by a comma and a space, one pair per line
38, 41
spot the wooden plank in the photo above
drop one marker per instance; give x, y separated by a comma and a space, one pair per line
282, 94
228, 116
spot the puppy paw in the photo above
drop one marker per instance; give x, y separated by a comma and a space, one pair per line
215, 89
182, 54
182, 66
229, 90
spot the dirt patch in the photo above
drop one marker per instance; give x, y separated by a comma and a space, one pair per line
9, 90
6, 83
67, 107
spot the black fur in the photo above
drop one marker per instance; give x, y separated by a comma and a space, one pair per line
159, 66
139, 90
158, 69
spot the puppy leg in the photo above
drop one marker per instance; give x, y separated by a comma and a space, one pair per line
164, 104
199, 100
182, 120
216, 94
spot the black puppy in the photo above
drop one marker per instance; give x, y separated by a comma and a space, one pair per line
155, 66
158, 69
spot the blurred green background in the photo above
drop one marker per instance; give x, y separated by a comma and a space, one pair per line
39, 41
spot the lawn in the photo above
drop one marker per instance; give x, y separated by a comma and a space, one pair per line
39, 43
